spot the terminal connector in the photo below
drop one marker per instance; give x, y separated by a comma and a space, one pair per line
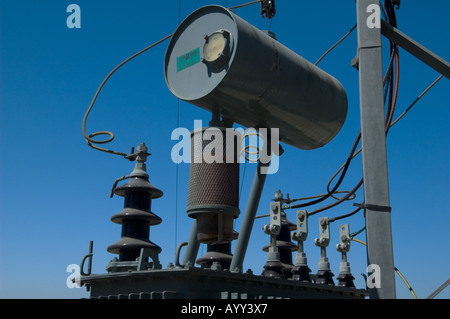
301, 271
345, 277
324, 274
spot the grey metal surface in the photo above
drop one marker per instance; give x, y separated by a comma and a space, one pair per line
376, 184
439, 289
419, 51
197, 283
192, 247
248, 219
261, 84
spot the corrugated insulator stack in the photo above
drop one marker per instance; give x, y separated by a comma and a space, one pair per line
285, 246
136, 217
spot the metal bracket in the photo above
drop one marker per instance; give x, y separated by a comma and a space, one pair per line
373, 207
140, 156
344, 236
177, 253
416, 49
302, 226
268, 8
274, 226
145, 253
324, 229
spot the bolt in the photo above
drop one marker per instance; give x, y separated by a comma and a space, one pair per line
275, 209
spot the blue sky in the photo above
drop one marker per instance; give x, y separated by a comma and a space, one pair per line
55, 189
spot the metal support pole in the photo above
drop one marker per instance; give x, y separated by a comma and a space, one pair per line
376, 185
248, 219
192, 247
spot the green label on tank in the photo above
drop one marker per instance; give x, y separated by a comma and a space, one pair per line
187, 60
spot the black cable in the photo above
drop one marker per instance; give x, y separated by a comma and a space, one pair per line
336, 44
345, 216
341, 178
354, 190
244, 5
393, 91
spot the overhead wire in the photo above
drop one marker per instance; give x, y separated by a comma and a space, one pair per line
321, 199
386, 82
244, 5
346, 165
345, 216
393, 94
336, 44
89, 138
392, 124
417, 100
176, 166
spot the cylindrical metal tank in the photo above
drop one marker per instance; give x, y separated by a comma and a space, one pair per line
219, 62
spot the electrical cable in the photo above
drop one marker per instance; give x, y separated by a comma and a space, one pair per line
406, 282
386, 82
336, 44
89, 138
416, 100
317, 196
347, 164
359, 241
345, 216
391, 109
176, 166
357, 232
340, 201
392, 124
244, 5
395, 269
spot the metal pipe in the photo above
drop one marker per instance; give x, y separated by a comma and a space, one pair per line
248, 219
192, 246
89, 255
419, 51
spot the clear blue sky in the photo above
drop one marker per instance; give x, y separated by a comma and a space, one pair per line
55, 189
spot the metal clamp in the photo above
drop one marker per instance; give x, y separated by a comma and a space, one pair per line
373, 207
302, 226
268, 8
274, 226
344, 235
324, 230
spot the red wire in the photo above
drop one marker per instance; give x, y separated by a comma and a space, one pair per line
396, 88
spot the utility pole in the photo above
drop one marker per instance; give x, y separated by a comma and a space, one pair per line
376, 184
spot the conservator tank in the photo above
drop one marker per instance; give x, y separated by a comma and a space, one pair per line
219, 62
